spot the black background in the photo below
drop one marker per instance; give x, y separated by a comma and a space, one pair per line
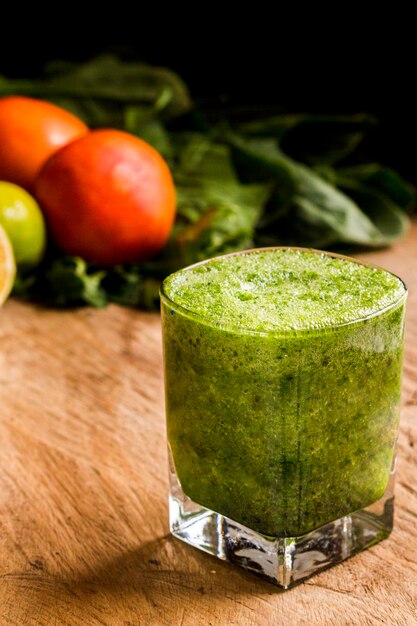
290, 62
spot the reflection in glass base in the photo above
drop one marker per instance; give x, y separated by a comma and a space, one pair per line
283, 561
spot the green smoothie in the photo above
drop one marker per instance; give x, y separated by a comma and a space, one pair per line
283, 372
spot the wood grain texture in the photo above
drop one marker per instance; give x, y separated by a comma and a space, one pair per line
83, 489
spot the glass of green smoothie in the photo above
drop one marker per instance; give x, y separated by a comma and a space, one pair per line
282, 376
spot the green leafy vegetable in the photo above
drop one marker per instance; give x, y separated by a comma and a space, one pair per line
68, 281
100, 90
216, 212
287, 179
382, 179
387, 217
318, 214
313, 139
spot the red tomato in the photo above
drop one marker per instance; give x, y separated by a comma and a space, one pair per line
108, 197
30, 131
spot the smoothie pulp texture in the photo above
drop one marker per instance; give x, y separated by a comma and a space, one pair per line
283, 373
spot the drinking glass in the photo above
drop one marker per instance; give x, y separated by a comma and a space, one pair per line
282, 444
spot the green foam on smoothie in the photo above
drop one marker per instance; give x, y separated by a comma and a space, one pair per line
283, 289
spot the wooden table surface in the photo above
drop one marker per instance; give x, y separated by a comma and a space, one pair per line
83, 489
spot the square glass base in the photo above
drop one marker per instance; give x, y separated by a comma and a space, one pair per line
284, 561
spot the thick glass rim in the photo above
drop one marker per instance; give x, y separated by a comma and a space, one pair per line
197, 317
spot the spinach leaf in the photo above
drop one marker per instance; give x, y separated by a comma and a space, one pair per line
99, 89
382, 179
388, 217
259, 160
313, 139
217, 212
328, 216
321, 214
